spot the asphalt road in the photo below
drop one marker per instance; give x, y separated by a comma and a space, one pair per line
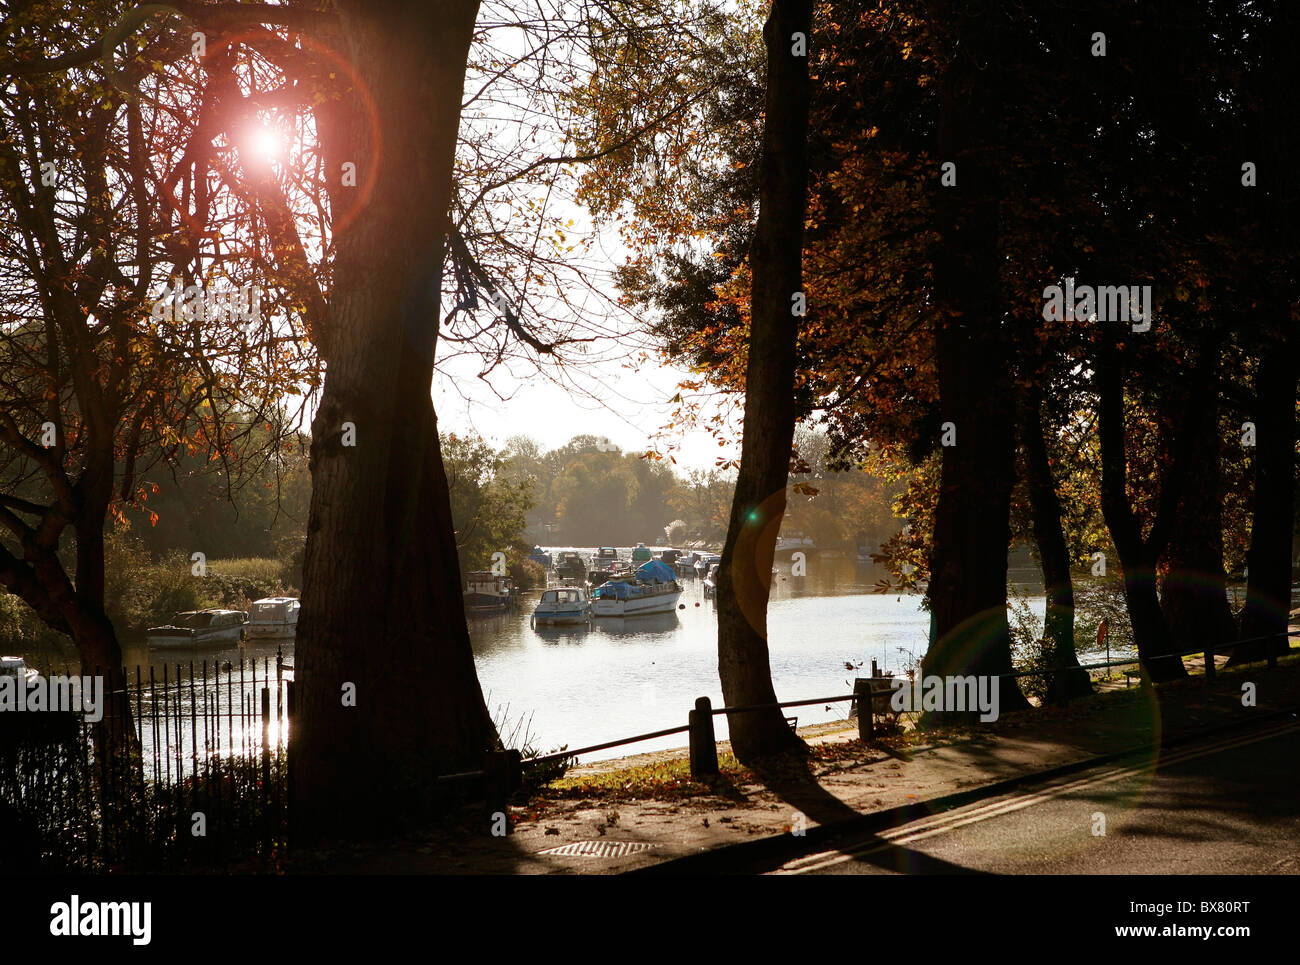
1230, 805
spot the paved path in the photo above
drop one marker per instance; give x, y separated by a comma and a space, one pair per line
1229, 806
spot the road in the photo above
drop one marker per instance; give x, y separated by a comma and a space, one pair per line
1229, 805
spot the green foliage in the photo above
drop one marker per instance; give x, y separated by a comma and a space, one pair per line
1096, 600
1029, 651
488, 508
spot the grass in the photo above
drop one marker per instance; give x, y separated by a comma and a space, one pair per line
247, 568
662, 780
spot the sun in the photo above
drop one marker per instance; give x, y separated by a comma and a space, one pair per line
266, 144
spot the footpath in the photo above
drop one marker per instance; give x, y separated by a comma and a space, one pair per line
645, 812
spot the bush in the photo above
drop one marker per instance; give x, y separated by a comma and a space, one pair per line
1096, 600
1029, 651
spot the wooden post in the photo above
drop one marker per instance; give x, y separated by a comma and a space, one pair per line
704, 747
288, 759
1209, 664
866, 721
502, 774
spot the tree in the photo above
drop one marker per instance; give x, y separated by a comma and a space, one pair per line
776, 261
103, 376
968, 559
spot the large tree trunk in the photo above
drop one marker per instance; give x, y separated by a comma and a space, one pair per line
1137, 555
1193, 584
972, 528
758, 505
1268, 587
1054, 557
383, 616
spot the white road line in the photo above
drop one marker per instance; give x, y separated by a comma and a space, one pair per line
950, 820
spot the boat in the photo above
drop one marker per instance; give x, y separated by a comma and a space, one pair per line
539, 555
616, 570
642, 554
198, 628
488, 593
571, 566
685, 565
669, 557
273, 618
711, 581
704, 562
17, 667
605, 554
653, 588
563, 605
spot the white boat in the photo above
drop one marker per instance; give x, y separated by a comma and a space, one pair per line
711, 580
17, 667
563, 605
273, 618
652, 589
704, 562
198, 628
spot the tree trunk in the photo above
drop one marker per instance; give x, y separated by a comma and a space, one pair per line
1054, 557
1268, 582
1137, 556
758, 505
1268, 589
1193, 585
972, 528
389, 697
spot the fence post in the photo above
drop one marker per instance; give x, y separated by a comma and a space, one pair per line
1209, 664
288, 759
502, 774
704, 748
866, 721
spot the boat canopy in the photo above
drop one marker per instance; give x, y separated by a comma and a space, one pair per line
657, 571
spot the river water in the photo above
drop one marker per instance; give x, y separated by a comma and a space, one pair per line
577, 686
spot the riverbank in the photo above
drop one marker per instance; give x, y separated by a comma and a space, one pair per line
616, 816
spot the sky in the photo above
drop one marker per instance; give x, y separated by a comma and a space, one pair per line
626, 402
619, 389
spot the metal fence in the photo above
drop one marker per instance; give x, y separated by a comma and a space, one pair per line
187, 767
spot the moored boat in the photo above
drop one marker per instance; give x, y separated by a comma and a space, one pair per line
704, 562
563, 605
642, 554
488, 593
652, 589
711, 581
539, 555
274, 618
17, 667
570, 565
197, 628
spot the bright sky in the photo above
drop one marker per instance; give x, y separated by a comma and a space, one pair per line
630, 407
618, 388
